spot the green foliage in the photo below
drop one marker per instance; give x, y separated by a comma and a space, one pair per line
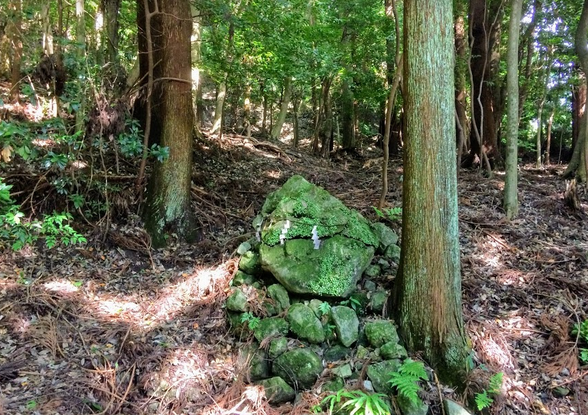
18, 232
406, 380
250, 319
391, 214
324, 308
485, 399
356, 402
352, 302
581, 331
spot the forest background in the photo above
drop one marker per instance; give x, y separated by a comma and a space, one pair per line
104, 102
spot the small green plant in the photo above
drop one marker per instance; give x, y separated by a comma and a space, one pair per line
160, 153
392, 214
356, 402
485, 399
406, 380
31, 405
250, 319
324, 308
352, 302
581, 332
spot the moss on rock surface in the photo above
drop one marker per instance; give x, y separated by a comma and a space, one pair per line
299, 367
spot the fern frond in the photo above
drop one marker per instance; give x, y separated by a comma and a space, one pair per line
495, 383
414, 369
483, 401
407, 386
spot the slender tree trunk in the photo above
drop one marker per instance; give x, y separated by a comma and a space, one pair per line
511, 200
196, 62
15, 35
347, 116
547, 154
460, 84
168, 208
221, 93
277, 130
81, 40
427, 290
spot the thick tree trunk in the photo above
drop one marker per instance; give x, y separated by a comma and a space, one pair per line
579, 163
277, 130
111, 11
483, 31
168, 199
578, 107
427, 290
511, 200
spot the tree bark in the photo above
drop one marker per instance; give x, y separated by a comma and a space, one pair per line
168, 198
15, 34
111, 10
427, 290
277, 130
511, 200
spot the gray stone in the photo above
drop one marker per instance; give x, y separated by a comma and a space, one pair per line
385, 235
249, 263
316, 306
300, 368
369, 285
346, 324
362, 352
277, 390
393, 350
330, 265
305, 324
280, 296
242, 278
244, 247
393, 253
383, 263
380, 332
333, 270
409, 408
277, 347
342, 371
237, 301
453, 408
337, 352
378, 301
373, 271
270, 327
379, 374
258, 366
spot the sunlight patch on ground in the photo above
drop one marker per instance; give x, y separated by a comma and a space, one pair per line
515, 278
62, 286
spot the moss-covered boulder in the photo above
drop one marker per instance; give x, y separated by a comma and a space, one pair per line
393, 350
277, 391
255, 361
300, 368
270, 327
379, 374
249, 263
280, 297
237, 301
305, 324
380, 332
385, 235
311, 242
346, 324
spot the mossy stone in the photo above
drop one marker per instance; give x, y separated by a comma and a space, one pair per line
270, 327
243, 247
385, 235
393, 350
393, 253
280, 296
242, 278
277, 390
237, 301
343, 371
346, 324
258, 366
336, 352
249, 263
378, 301
379, 374
373, 271
380, 332
408, 407
334, 385
277, 347
300, 368
305, 324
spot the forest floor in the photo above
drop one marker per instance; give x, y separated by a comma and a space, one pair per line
113, 327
